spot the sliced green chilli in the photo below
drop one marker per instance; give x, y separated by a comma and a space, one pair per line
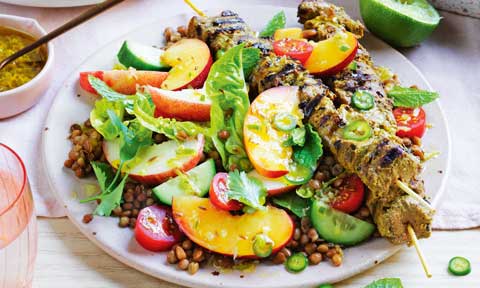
325, 286
357, 130
296, 263
459, 266
262, 246
285, 121
299, 174
363, 100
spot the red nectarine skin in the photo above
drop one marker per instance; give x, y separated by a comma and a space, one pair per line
181, 108
85, 84
275, 186
157, 177
200, 79
221, 232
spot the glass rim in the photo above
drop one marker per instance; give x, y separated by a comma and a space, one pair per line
24, 181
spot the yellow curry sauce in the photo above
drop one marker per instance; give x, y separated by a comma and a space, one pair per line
24, 68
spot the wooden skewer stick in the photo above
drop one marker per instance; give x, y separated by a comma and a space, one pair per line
411, 232
415, 243
412, 193
195, 8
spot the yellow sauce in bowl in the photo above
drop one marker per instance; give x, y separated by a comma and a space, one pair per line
24, 68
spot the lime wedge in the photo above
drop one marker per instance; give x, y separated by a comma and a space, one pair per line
401, 23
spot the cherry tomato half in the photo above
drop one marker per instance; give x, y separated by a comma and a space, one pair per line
350, 195
155, 229
218, 194
411, 122
296, 49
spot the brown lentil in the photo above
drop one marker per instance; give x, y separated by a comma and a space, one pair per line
124, 221
322, 248
171, 258
417, 141
312, 234
183, 264
187, 244
279, 258
314, 184
336, 260
197, 255
315, 258
87, 218
331, 252
193, 268
310, 248
180, 253
407, 142
296, 234
223, 135
417, 151
309, 33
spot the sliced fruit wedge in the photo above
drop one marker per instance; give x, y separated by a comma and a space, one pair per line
141, 57
123, 81
191, 61
221, 232
264, 142
333, 54
157, 163
275, 186
288, 33
183, 105
194, 182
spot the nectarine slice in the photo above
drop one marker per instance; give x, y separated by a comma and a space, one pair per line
263, 142
191, 61
333, 54
219, 231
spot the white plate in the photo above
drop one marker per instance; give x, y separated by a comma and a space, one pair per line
52, 3
68, 108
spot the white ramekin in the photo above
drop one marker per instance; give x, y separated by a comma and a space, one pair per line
17, 100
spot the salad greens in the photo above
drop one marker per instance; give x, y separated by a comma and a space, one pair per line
277, 22
308, 154
100, 119
250, 58
411, 97
291, 201
386, 283
247, 190
111, 95
297, 137
226, 87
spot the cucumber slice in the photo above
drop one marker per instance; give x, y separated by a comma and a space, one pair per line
196, 181
141, 57
338, 227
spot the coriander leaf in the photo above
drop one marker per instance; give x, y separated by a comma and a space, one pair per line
386, 283
277, 22
109, 201
227, 89
297, 137
250, 58
291, 201
104, 174
111, 95
411, 97
249, 191
311, 151
100, 119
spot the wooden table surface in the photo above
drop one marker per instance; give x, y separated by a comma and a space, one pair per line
67, 259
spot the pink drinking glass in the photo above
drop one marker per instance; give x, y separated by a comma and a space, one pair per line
18, 226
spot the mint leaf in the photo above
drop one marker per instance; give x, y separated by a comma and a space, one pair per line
109, 201
249, 191
386, 283
411, 97
227, 89
250, 58
311, 151
277, 22
291, 201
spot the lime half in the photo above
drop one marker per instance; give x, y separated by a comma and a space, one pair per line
401, 23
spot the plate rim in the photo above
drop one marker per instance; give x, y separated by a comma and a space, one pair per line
187, 280
49, 4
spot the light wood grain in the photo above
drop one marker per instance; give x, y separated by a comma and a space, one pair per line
67, 259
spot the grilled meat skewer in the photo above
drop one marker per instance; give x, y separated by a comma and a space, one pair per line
379, 161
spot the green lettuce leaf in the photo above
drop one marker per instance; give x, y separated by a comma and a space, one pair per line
296, 138
291, 201
100, 120
111, 95
247, 190
277, 22
104, 174
386, 283
308, 154
411, 97
228, 92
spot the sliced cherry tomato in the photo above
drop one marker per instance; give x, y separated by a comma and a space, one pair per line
296, 49
350, 195
218, 194
155, 229
411, 122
